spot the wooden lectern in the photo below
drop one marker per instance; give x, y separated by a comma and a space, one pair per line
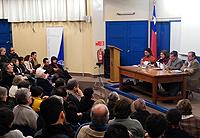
114, 63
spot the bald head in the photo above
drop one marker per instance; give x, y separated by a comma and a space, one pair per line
99, 114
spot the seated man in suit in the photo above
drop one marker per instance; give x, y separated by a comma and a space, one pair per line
191, 66
174, 63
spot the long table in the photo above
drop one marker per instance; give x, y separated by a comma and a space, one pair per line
155, 77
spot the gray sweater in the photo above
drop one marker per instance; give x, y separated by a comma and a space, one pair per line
25, 115
133, 125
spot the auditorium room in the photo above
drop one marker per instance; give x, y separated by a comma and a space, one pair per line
99, 69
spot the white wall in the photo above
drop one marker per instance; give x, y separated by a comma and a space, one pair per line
112, 7
98, 28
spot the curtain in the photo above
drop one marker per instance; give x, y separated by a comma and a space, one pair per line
1, 9
43, 10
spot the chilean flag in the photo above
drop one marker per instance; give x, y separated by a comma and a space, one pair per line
154, 33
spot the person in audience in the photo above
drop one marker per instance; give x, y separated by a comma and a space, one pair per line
140, 112
164, 57
192, 68
190, 123
156, 125
13, 89
87, 101
98, 125
6, 119
174, 131
17, 70
41, 80
58, 69
46, 66
86, 104
113, 97
28, 64
174, 62
3, 97
13, 54
122, 112
59, 82
34, 60
3, 58
36, 93
52, 112
75, 93
24, 84
148, 57
7, 75
116, 131
23, 66
71, 110
25, 116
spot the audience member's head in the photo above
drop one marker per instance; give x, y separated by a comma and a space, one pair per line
6, 118
59, 82
23, 96
8, 67
53, 60
3, 94
88, 93
17, 79
34, 55
116, 131
36, 91
191, 55
61, 91
184, 106
139, 104
173, 55
52, 111
148, 52
164, 54
15, 61
173, 117
72, 85
21, 60
12, 50
27, 58
40, 73
113, 97
156, 125
99, 115
46, 61
122, 109
23, 84
2, 51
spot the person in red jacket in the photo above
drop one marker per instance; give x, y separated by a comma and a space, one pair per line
148, 57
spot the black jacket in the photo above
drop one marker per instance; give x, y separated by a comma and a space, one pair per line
55, 131
45, 84
17, 70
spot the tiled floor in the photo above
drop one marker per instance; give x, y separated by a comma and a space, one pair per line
101, 93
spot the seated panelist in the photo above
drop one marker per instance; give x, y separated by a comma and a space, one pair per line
148, 57
191, 66
174, 62
164, 57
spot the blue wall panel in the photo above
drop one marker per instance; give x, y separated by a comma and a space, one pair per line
5, 34
130, 36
